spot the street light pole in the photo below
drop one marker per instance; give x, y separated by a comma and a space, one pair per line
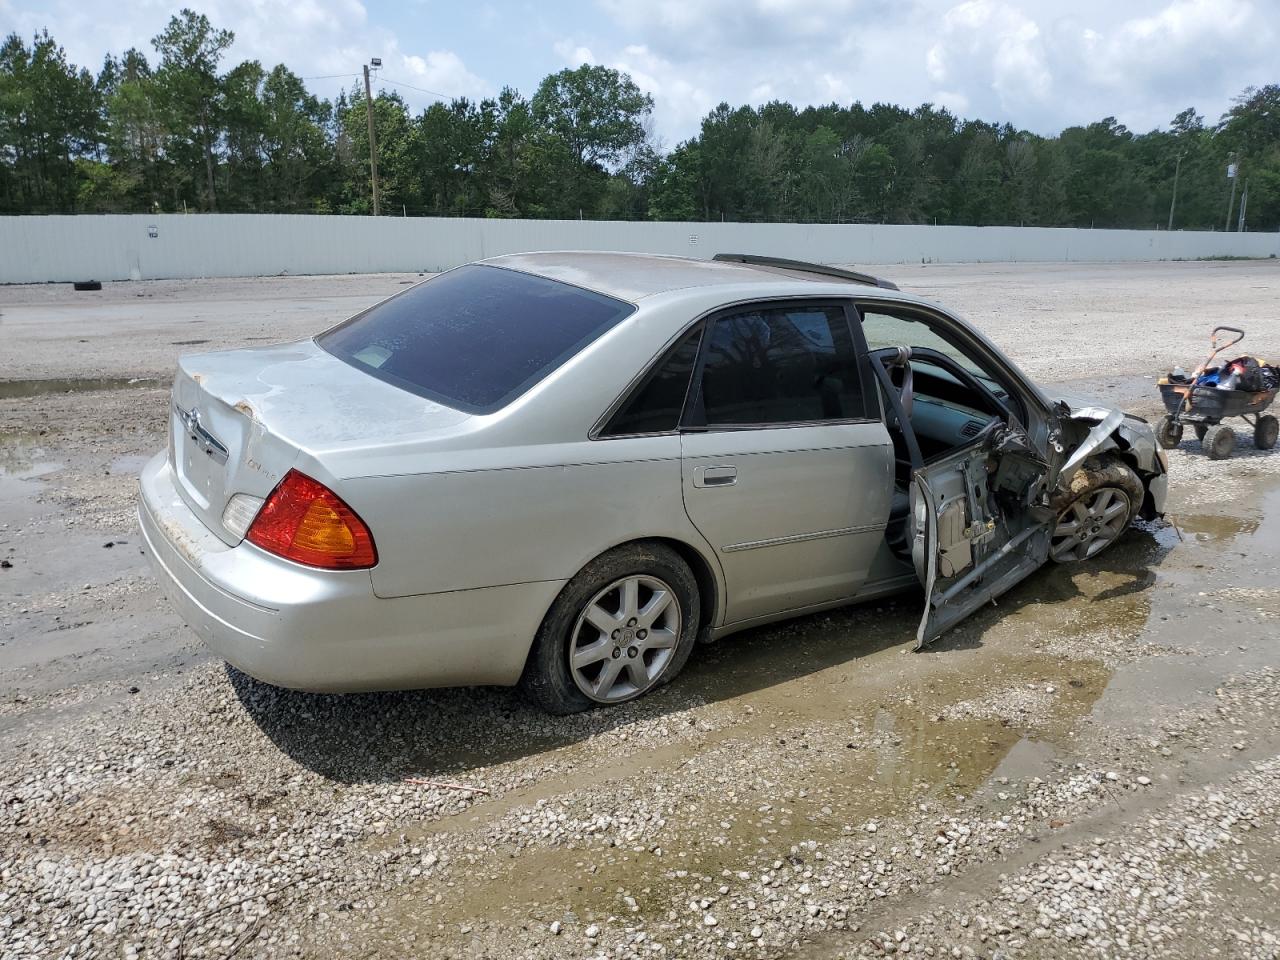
1233, 171
1177, 166
373, 141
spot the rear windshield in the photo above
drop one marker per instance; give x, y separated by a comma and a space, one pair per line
474, 338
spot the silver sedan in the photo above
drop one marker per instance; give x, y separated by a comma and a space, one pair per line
563, 470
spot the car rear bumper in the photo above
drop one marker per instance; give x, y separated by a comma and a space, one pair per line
322, 630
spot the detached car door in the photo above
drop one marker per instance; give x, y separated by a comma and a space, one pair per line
786, 468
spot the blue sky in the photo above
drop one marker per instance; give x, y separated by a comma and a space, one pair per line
1039, 64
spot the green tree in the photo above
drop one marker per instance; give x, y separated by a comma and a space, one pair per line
191, 92
400, 155
679, 185
183, 132
49, 120
135, 137
509, 189
597, 112
296, 150
1250, 132
594, 119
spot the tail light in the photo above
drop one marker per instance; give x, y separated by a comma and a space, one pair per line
305, 521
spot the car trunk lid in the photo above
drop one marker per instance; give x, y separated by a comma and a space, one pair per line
240, 419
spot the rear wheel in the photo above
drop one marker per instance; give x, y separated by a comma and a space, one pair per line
1104, 498
1168, 432
1265, 432
1219, 441
622, 627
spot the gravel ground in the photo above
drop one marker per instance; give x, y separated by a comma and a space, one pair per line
1089, 769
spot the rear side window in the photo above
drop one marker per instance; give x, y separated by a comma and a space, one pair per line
474, 338
656, 406
781, 365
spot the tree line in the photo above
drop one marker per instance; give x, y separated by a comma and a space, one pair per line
178, 130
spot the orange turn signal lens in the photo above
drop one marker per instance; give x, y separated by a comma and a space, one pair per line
305, 521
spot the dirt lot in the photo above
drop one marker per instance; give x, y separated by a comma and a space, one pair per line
1090, 769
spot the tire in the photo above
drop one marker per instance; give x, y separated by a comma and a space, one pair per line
1168, 432
548, 679
87, 285
1219, 441
1101, 485
1201, 429
1265, 432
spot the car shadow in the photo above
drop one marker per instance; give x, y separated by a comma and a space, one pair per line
378, 737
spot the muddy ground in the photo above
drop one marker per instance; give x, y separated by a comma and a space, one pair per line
1090, 768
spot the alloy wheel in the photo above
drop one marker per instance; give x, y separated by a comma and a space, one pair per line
624, 638
1090, 524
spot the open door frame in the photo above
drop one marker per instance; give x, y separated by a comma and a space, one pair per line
970, 545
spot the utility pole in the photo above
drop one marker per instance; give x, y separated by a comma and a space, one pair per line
1177, 166
1244, 203
1233, 170
373, 137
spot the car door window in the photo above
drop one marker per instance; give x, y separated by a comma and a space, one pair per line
656, 406
778, 365
883, 329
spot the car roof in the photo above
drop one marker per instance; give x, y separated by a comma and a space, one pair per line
634, 276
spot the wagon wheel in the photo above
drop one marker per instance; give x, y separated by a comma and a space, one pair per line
1168, 432
1265, 432
1219, 441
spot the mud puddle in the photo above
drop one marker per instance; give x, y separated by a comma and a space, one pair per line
14, 389
820, 728
25, 455
773, 787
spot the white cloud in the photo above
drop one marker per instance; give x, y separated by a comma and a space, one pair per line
574, 54
444, 72
733, 26
1187, 39
692, 54
1043, 70
1039, 64
1000, 38
314, 38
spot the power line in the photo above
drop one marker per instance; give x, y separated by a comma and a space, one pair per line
385, 79
401, 83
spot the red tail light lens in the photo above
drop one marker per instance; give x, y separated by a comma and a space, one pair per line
305, 521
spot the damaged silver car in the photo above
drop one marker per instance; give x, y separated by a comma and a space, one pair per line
562, 470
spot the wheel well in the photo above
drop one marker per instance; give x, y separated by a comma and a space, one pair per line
1124, 453
708, 595
708, 592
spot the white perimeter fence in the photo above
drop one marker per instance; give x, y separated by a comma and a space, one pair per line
140, 247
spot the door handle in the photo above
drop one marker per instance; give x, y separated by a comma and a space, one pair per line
725, 476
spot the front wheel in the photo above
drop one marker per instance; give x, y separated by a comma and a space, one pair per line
622, 627
1104, 498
